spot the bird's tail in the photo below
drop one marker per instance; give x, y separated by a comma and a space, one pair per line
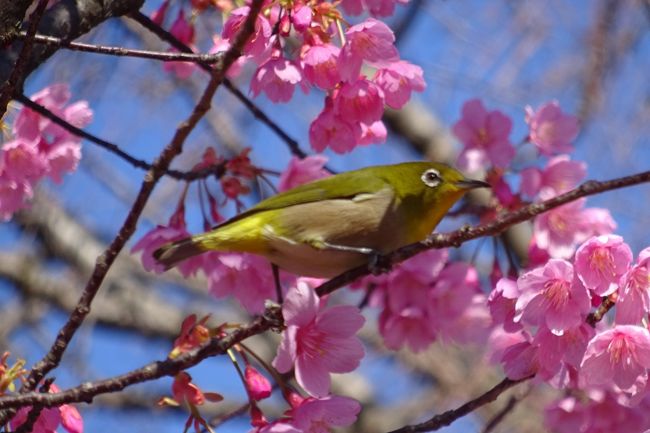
169, 255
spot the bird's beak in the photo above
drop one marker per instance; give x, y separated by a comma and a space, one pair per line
471, 184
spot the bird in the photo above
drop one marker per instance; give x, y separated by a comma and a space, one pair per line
328, 226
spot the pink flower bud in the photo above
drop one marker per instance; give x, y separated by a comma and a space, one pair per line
258, 386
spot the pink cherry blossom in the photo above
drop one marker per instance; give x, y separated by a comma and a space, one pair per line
301, 17
63, 157
406, 319
454, 287
331, 130
315, 415
499, 341
277, 77
71, 419
375, 133
40, 147
551, 130
258, 385
13, 196
560, 174
371, 41
183, 30
158, 16
21, 160
359, 101
161, 235
552, 296
31, 126
398, 80
244, 276
502, 191
259, 42
406, 325
353, 7
556, 351
595, 411
520, 360
220, 45
50, 418
502, 302
472, 326
634, 294
300, 171
153, 240
484, 135
560, 230
536, 256
382, 8
320, 65
47, 422
601, 261
565, 416
620, 354
318, 340
320, 415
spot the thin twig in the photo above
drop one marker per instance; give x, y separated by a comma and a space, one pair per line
216, 170
52, 359
595, 317
124, 52
505, 411
9, 87
446, 418
500, 224
166, 36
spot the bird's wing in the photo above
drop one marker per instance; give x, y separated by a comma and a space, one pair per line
342, 186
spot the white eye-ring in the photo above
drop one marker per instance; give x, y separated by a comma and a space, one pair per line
431, 177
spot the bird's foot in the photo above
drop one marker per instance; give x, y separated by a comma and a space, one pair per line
379, 263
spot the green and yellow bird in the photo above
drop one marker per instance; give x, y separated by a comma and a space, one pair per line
325, 227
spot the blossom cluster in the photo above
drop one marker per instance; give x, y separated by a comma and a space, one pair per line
485, 136
544, 327
40, 148
49, 418
360, 76
318, 340
426, 298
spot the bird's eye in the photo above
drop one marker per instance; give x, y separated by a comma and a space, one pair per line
431, 177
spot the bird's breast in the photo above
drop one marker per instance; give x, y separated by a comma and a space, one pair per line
369, 220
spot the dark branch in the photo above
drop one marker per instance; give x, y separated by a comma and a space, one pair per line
500, 224
216, 170
124, 52
446, 418
155, 370
67, 19
8, 87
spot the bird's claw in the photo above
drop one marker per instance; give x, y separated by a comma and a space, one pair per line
379, 264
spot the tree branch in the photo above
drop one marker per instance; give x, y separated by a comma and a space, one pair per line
216, 170
169, 367
8, 87
68, 19
124, 52
501, 223
446, 418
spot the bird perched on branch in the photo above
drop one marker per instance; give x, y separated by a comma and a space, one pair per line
325, 227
